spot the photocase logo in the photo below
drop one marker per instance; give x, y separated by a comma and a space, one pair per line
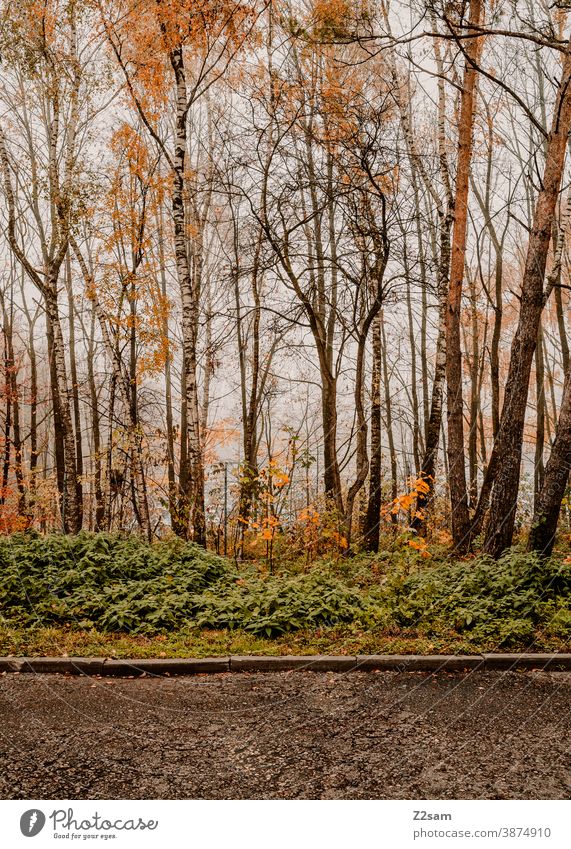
32, 822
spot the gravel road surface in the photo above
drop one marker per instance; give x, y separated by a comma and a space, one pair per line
289, 735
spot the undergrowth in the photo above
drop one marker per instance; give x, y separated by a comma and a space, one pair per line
110, 585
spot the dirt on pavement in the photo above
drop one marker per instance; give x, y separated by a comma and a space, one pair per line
385, 735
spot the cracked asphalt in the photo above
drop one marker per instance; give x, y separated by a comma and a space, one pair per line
386, 735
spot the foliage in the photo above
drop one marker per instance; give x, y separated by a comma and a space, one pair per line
127, 585
484, 597
119, 585
266, 485
404, 502
100, 577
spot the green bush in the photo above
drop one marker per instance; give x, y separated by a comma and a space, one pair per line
485, 597
118, 584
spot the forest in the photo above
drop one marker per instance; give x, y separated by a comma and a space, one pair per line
284, 292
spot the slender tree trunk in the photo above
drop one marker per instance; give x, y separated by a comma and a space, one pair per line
361, 453
416, 437
485, 204
455, 411
208, 372
131, 400
550, 418
495, 345
548, 502
57, 425
7, 420
182, 525
250, 397
171, 475
12, 404
373, 514
110, 483
562, 329
540, 419
423, 310
189, 304
99, 512
474, 395
331, 473
389, 417
74, 388
445, 209
71, 512
17, 435
33, 464
433, 426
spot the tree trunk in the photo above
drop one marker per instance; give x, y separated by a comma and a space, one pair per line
361, 454
74, 388
17, 436
562, 329
171, 475
181, 522
556, 476
189, 304
444, 207
110, 483
71, 518
58, 429
455, 412
99, 512
331, 474
540, 420
7, 421
250, 398
33, 464
495, 346
373, 514
416, 437
433, 426
474, 395
389, 417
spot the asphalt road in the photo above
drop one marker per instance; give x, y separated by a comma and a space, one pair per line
288, 735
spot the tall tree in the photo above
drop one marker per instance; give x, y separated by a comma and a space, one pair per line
455, 407
178, 48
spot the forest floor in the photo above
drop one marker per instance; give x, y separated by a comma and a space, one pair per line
287, 735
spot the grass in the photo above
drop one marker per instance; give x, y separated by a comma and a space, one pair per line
63, 642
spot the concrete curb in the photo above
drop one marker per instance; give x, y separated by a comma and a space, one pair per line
536, 660
420, 663
166, 666
285, 663
131, 667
